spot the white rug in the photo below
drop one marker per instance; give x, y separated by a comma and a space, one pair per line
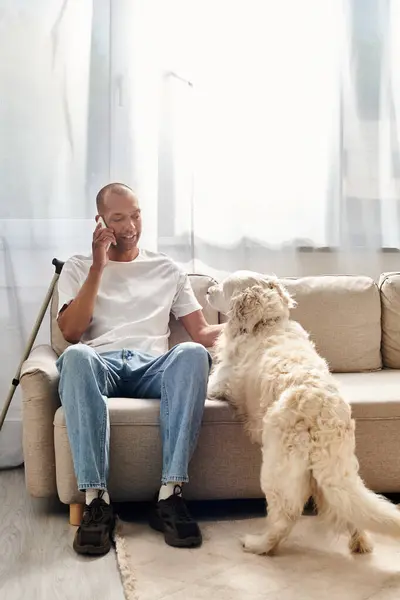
311, 565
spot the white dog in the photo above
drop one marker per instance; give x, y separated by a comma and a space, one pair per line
269, 370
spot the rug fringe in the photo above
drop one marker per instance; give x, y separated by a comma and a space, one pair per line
123, 558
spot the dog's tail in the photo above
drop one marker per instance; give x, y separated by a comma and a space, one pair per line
349, 501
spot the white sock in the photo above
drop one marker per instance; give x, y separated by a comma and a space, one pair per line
167, 489
92, 493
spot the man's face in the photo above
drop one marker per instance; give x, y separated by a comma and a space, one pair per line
122, 214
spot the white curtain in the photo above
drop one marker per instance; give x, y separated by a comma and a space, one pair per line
54, 102
294, 135
78, 108
258, 134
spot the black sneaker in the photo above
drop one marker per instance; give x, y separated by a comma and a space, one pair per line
94, 536
173, 519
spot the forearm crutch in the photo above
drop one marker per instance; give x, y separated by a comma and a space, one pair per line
58, 264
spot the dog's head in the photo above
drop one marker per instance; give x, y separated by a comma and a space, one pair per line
250, 299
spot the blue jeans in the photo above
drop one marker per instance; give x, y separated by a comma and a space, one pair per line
179, 378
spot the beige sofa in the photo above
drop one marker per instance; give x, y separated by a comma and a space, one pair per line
355, 323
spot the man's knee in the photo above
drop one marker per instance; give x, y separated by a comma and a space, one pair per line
193, 354
75, 356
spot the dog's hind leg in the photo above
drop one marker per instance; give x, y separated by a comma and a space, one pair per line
286, 498
285, 481
359, 542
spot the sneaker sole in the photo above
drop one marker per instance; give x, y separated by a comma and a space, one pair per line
171, 540
186, 543
92, 550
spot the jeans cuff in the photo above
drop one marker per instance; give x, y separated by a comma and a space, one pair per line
176, 479
82, 487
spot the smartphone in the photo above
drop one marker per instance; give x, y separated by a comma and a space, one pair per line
104, 226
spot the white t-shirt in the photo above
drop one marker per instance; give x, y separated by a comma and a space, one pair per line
134, 301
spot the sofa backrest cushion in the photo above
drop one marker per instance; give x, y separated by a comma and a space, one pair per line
343, 316
389, 285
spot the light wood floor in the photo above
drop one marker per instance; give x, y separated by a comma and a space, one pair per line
37, 561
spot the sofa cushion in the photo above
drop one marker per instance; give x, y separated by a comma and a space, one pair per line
373, 396
389, 285
343, 316
226, 464
375, 404
200, 285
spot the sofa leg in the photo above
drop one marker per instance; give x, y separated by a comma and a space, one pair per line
75, 514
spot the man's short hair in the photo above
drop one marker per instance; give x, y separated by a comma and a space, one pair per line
111, 188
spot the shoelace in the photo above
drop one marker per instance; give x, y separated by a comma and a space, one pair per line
179, 505
96, 511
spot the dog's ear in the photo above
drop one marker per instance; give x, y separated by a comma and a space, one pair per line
286, 297
247, 309
274, 283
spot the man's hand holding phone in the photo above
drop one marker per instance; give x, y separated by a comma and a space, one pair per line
103, 237
77, 316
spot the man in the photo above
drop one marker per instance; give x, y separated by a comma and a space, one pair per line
114, 307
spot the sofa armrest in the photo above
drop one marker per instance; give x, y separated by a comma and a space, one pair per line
40, 400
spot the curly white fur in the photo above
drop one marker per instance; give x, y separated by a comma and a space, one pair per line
269, 370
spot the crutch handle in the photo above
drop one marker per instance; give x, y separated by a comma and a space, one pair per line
58, 265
